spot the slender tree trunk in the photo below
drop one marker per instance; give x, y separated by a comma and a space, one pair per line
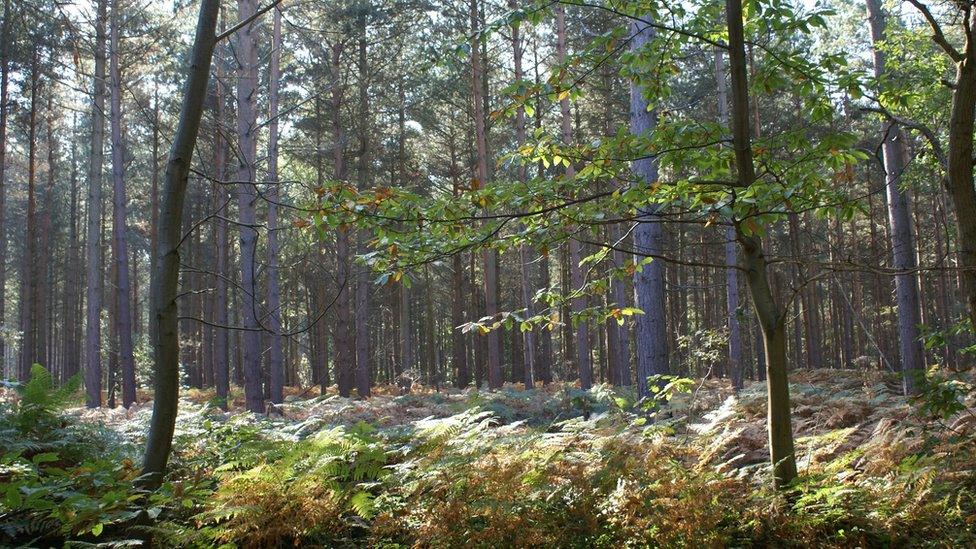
458, 339
221, 363
93, 321
247, 83
429, 338
344, 329
72, 295
753, 262
123, 314
942, 283
166, 344
29, 274
363, 383
406, 341
136, 313
113, 345
732, 305
320, 332
576, 278
490, 256
544, 357
43, 299
899, 218
154, 191
651, 339
276, 359
5, 40
731, 259
621, 374
528, 295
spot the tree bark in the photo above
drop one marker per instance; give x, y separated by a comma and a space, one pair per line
123, 313
619, 335
459, 348
247, 83
753, 262
528, 295
5, 40
72, 294
490, 256
899, 219
651, 330
93, 290
344, 330
577, 280
276, 359
154, 192
221, 363
731, 259
363, 383
29, 274
44, 298
166, 344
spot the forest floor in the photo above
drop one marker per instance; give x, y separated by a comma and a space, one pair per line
551, 466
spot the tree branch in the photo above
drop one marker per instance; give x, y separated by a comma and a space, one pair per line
937, 35
229, 32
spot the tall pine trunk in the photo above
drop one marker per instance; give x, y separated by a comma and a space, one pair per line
29, 275
576, 278
731, 256
93, 250
363, 382
4, 86
490, 256
221, 199
525, 265
276, 358
899, 219
651, 331
247, 84
123, 313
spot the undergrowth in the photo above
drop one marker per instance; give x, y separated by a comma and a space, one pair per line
553, 467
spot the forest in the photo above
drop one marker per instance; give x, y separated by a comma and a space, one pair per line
483, 273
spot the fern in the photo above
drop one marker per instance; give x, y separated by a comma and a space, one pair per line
40, 401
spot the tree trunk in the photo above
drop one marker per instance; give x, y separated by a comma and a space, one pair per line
154, 191
93, 323
166, 343
731, 259
960, 166
5, 40
247, 83
619, 333
528, 295
753, 262
221, 363
43, 299
363, 383
71, 296
123, 314
344, 329
276, 359
576, 278
29, 274
651, 338
899, 218
490, 256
